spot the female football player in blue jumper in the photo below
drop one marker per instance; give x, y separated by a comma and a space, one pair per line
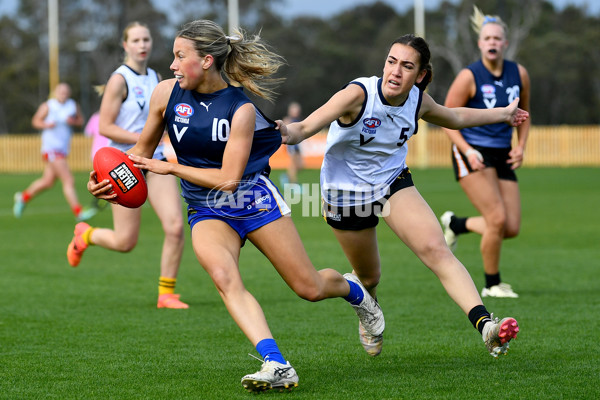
364, 174
223, 144
484, 162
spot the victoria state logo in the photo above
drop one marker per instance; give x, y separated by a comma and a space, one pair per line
372, 123
370, 126
184, 110
124, 177
488, 90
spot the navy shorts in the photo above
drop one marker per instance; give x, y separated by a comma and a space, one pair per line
256, 207
492, 158
365, 216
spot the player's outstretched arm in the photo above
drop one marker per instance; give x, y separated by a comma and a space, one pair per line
464, 117
345, 103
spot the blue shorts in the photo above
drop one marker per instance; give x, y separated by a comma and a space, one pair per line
256, 207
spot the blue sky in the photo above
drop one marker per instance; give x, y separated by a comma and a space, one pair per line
330, 7
327, 8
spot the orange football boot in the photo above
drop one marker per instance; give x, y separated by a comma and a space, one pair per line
77, 245
170, 300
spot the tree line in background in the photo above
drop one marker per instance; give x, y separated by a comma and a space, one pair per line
559, 49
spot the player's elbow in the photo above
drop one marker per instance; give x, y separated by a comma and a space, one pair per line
229, 179
229, 185
456, 123
37, 124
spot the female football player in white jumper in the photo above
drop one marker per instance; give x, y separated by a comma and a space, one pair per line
123, 113
364, 173
223, 144
56, 118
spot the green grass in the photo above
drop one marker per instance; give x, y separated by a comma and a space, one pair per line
94, 333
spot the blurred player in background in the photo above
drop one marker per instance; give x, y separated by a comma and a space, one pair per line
92, 129
56, 118
294, 114
364, 175
123, 113
223, 144
484, 162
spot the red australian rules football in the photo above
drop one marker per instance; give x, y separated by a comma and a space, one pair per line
128, 182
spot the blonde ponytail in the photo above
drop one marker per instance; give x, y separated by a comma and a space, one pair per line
479, 19
244, 61
99, 89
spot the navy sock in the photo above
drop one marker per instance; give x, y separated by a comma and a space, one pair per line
356, 295
479, 316
458, 225
269, 351
492, 280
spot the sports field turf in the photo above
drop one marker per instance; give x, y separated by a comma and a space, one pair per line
94, 332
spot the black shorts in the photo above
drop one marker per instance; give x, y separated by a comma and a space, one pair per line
492, 157
364, 216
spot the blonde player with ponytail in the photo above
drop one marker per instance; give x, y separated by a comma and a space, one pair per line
223, 144
484, 161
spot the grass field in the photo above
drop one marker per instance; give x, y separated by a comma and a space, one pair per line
94, 333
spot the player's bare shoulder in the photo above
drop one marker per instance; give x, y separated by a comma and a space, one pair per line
164, 88
351, 100
354, 94
162, 94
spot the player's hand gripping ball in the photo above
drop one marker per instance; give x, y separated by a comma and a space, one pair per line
128, 182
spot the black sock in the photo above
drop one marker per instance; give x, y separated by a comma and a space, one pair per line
479, 316
458, 225
492, 280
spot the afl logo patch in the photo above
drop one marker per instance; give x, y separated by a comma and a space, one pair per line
488, 90
372, 123
184, 110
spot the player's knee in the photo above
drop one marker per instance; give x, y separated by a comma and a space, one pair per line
46, 184
222, 280
496, 221
228, 283
125, 246
310, 293
511, 231
370, 281
174, 230
68, 181
434, 252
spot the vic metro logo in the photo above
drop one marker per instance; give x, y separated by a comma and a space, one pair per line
372, 123
184, 110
